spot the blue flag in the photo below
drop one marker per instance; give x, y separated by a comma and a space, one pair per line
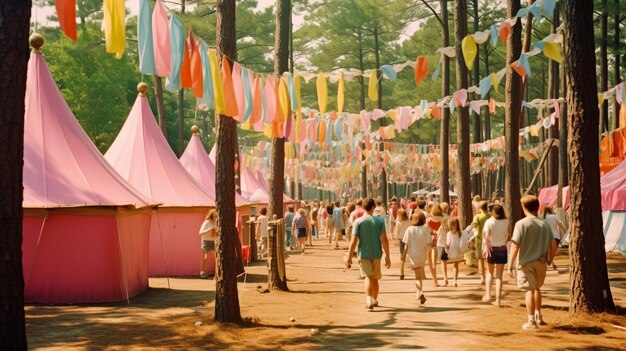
177, 44
144, 39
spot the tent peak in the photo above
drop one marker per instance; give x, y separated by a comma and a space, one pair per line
142, 88
195, 129
36, 40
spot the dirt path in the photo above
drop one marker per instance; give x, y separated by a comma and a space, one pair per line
327, 304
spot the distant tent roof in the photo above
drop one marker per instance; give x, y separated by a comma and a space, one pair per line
421, 192
438, 192
142, 156
62, 167
197, 162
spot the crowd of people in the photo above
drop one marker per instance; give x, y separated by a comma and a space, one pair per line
429, 234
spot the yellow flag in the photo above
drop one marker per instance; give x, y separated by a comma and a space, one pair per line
322, 93
114, 27
372, 89
340, 96
469, 48
268, 130
495, 81
296, 84
218, 90
298, 125
283, 96
600, 99
553, 51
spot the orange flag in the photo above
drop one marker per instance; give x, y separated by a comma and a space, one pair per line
185, 69
66, 12
257, 96
492, 106
229, 89
504, 31
196, 68
435, 111
421, 69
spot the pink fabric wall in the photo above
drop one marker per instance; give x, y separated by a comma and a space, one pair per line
78, 257
175, 235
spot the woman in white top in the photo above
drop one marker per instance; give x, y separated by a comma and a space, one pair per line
418, 243
441, 240
208, 232
402, 224
557, 228
495, 237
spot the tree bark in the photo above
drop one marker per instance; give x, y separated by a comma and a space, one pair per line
14, 28
604, 65
383, 173
226, 296
277, 172
513, 116
616, 52
362, 105
563, 142
554, 80
462, 124
158, 93
444, 132
477, 130
589, 282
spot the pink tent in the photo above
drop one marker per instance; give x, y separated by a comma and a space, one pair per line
197, 162
142, 156
548, 196
85, 229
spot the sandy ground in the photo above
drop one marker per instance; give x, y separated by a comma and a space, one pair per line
327, 303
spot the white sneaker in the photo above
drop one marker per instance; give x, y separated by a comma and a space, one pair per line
539, 320
530, 325
202, 275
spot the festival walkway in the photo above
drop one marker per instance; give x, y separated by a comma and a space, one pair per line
327, 305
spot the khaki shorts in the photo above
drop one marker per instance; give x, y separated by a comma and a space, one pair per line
532, 275
370, 267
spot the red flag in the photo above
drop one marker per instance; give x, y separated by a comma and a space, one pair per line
196, 68
185, 68
66, 12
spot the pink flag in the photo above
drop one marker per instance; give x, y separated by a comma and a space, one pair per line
239, 93
161, 40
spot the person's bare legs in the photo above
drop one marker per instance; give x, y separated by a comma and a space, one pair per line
444, 268
456, 272
419, 294
302, 243
337, 235
499, 270
530, 303
431, 267
487, 296
481, 270
375, 290
203, 260
537, 303
368, 291
402, 262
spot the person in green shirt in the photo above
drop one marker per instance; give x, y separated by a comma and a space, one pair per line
479, 221
370, 235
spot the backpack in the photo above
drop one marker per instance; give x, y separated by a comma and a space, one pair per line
464, 242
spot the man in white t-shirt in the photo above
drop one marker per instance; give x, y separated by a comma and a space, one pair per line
261, 230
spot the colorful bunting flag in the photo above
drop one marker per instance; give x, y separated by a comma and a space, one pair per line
114, 27
322, 93
340, 94
66, 14
161, 39
469, 48
144, 37
372, 89
421, 69
177, 41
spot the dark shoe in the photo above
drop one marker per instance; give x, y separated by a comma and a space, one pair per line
402, 277
422, 299
370, 308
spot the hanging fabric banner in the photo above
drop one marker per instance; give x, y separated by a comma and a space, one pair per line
114, 27
340, 94
322, 92
372, 89
176, 50
66, 13
144, 38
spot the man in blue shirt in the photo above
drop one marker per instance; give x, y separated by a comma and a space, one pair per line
289, 216
338, 222
369, 233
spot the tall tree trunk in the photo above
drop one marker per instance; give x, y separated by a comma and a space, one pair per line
226, 296
362, 105
277, 173
554, 80
604, 66
563, 142
512, 119
181, 121
462, 125
158, 94
14, 28
616, 52
383, 173
487, 125
589, 281
477, 130
444, 131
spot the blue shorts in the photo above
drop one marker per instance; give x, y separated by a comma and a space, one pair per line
499, 255
301, 232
